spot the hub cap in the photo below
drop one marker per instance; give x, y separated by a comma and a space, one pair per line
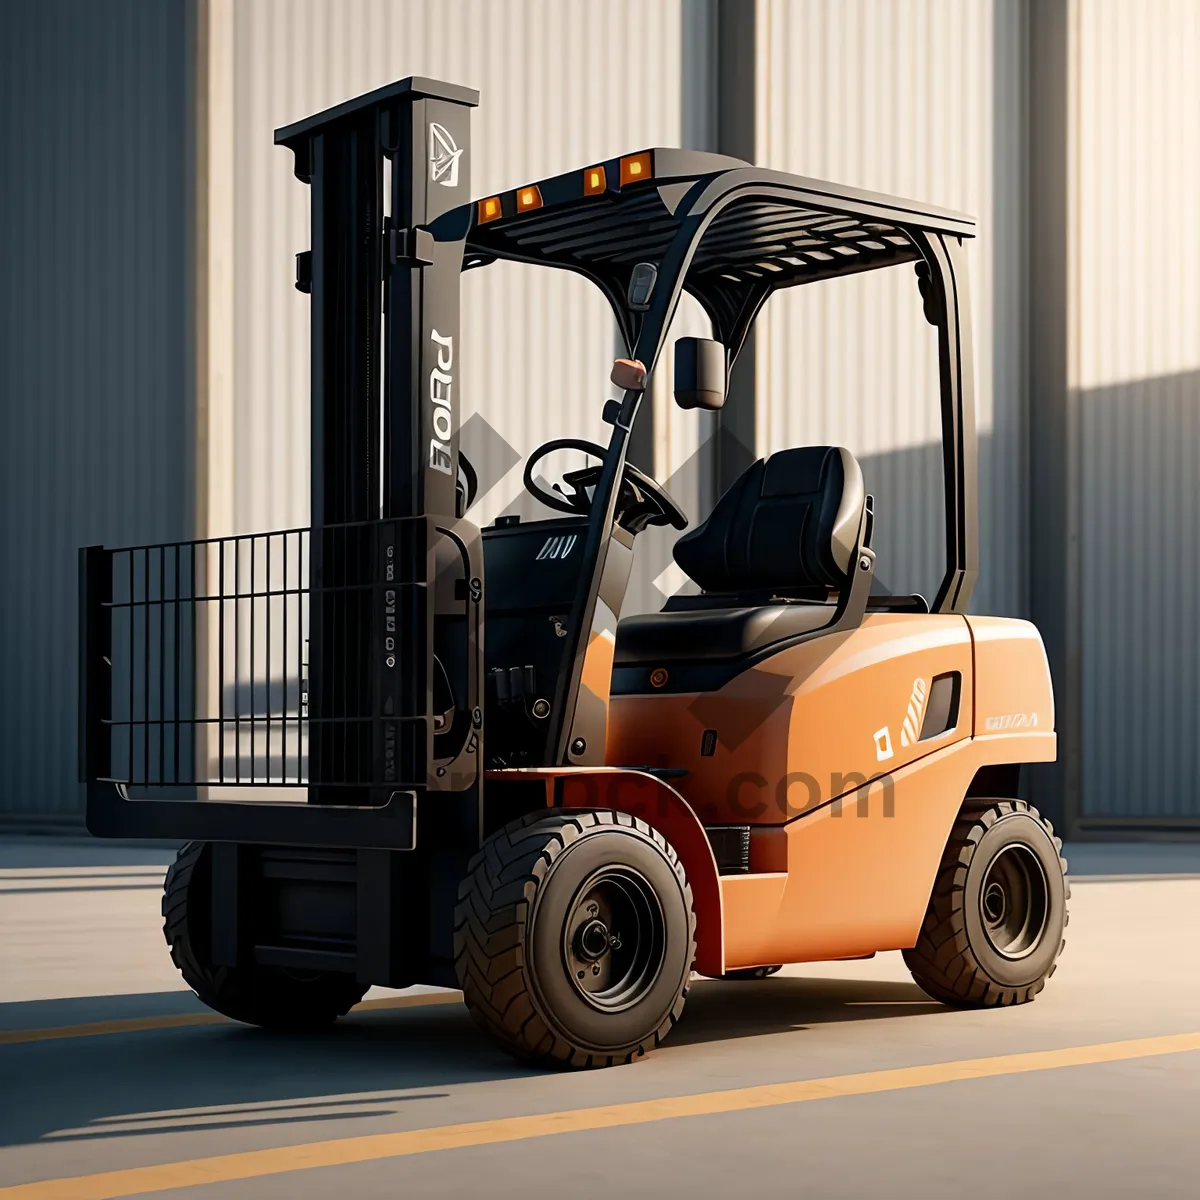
1014, 902
614, 939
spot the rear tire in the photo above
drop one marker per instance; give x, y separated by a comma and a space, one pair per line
574, 938
994, 927
266, 996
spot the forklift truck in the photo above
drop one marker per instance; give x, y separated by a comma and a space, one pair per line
404, 750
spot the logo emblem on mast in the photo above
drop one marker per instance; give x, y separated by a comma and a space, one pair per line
443, 156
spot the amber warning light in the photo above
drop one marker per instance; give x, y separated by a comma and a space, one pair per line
594, 181
528, 198
635, 168
489, 209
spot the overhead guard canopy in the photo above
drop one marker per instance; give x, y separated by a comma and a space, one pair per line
778, 231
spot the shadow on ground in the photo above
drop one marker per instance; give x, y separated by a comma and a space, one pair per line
717, 1010
231, 1076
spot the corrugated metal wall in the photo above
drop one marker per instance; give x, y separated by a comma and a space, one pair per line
95, 428
1135, 362
920, 98
563, 84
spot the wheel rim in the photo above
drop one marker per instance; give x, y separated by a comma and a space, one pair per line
614, 939
1014, 902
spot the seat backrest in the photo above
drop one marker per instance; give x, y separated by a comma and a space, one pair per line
787, 522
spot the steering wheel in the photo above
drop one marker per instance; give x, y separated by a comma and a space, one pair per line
642, 501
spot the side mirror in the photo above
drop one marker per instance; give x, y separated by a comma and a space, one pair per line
700, 373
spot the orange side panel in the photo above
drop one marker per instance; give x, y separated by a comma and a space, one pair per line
860, 870
754, 914
808, 724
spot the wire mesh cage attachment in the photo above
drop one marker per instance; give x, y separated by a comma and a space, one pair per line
296, 658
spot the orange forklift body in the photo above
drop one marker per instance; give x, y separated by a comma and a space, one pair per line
844, 844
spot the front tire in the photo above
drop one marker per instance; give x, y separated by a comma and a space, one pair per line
265, 996
994, 927
574, 938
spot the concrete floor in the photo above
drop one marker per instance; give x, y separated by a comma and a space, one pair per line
80, 942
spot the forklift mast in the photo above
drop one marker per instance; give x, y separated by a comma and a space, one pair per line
377, 608
384, 405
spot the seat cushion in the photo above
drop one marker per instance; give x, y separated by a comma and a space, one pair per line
706, 634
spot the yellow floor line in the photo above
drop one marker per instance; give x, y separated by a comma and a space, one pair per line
251, 1164
9, 1037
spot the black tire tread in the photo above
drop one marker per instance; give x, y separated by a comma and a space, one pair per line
942, 963
266, 997
494, 903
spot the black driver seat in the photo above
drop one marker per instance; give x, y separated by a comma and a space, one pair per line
774, 547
